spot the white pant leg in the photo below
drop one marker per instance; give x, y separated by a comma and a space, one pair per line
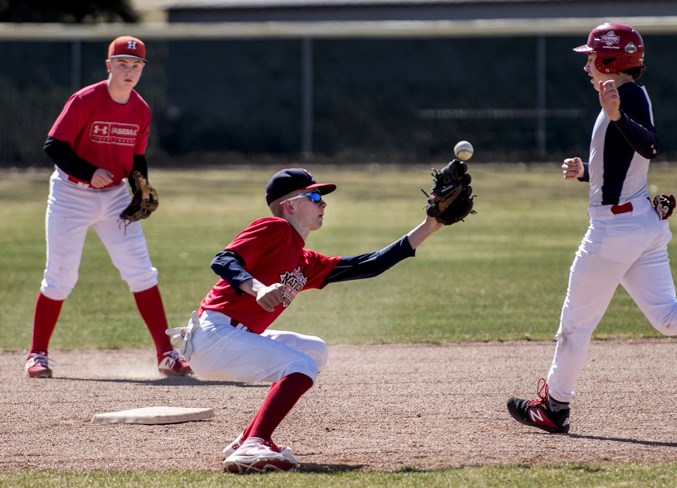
127, 247
313, 346
649, 282
222, 352
593, 280
70, 212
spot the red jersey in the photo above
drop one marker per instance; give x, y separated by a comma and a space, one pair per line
272, 252
103, 132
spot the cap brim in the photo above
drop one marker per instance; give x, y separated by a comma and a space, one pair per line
585, 49
128, 56
323, 188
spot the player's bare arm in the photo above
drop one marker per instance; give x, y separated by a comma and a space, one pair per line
424, 230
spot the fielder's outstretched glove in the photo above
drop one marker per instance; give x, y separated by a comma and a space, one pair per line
144, 201
664, 204
451, 198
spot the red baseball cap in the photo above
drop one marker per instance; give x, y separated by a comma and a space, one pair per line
291, 179
127, 47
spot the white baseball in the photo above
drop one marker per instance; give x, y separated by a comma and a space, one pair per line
463, 150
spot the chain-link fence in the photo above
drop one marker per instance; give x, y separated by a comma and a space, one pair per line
517, 98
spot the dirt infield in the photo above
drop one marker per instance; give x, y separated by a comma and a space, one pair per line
375, 408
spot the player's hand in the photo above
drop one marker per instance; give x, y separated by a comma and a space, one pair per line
269, 297
101, 178
573, 168
609, 99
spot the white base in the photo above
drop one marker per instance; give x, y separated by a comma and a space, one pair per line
153, 415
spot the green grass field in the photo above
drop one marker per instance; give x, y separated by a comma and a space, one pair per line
564, 475
499, 276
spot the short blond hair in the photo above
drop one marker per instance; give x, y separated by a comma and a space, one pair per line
278, 210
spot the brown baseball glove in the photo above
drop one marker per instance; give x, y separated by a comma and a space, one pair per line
144, 201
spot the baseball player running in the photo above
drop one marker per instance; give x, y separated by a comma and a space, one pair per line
261, 271
97, 141
626, 242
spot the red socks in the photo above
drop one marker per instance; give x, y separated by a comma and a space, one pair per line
149, 303
281, 398
44, 321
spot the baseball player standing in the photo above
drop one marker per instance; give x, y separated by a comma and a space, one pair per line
261, 271
626, 242
97, 141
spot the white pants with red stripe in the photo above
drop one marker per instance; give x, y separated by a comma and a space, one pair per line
629, 249
71, 210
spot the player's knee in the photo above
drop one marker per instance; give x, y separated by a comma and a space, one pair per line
55, 294
142, 280
57, 290
320, 353
303, 364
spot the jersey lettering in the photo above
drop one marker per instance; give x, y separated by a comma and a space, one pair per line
293, 282
113, 133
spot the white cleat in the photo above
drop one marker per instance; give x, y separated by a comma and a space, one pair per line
232, 447
235, 445
258, 456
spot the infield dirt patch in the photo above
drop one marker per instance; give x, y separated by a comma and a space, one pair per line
375, 408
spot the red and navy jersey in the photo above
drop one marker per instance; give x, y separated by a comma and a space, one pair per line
273, 252
103, 132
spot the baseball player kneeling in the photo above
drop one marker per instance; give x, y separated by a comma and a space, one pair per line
262, 270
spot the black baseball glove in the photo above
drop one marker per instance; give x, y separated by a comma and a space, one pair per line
451, 198
144, 201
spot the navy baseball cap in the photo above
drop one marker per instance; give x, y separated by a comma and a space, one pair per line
291, 179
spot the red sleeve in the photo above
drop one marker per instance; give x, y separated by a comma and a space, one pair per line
259, 239
318, 267
72, 120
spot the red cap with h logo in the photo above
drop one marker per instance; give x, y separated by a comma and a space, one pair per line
127, 47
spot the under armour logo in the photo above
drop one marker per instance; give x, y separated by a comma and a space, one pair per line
100, 128
131, 45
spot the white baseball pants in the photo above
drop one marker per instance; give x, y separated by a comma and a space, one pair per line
71, 210
223, 352
628, 249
